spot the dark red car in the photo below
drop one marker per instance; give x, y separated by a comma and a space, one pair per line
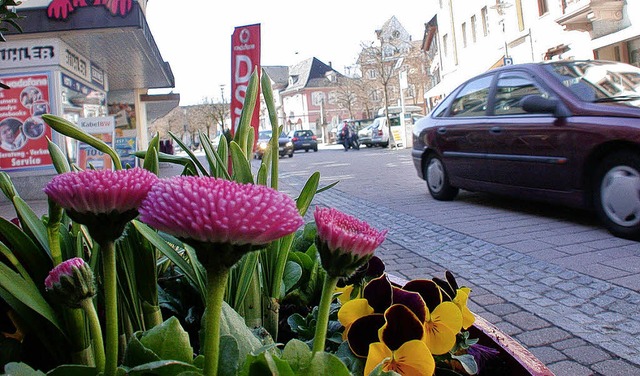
566, 132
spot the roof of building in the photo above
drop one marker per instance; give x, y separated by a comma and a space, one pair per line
278, 74
309, 73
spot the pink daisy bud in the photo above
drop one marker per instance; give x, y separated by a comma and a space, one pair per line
103, 200
344, 242
205, 210
71, 282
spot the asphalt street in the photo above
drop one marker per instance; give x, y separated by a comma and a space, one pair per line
549, 276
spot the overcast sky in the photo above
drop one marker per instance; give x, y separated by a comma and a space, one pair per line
196, 38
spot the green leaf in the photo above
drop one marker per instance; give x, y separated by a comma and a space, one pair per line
73, 370
243, 273
164, 368
6, 186
35, 260
244, 125
266, 364
31, 223
223, 163
21, 369
155, 239
228, 364
468, 362
67, 128
60, 161
297, 354
324, 363
307, 194
192, 156
27, 294
217, 164
169, 341
151, 162
241, 166
137, 354
292, 274
233, 324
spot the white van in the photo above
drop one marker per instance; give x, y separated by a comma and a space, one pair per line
380, 130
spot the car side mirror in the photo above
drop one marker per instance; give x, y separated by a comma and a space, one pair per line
537, 104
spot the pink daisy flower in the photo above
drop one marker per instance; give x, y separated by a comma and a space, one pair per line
100, 191
211, 210
70, 282
103, 200
344, 242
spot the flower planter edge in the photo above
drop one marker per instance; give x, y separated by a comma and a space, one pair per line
521, 358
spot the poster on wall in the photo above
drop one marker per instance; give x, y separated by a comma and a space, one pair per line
125, 147
23, 133
102, 128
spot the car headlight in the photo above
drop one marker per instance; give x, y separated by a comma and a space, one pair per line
262, 146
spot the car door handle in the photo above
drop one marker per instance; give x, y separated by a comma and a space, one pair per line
442, 130
496, 130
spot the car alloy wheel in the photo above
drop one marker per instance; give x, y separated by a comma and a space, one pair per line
618, 195
438, 181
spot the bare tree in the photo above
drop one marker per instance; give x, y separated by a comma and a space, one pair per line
382, 60
416, 64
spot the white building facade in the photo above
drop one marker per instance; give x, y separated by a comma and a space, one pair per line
471, 37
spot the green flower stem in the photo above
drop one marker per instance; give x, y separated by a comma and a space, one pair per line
108, 251
216, 284
96, 333
328, 289
53, 231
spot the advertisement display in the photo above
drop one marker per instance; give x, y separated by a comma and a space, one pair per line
102, 128
245, 59
23, 133
125, 147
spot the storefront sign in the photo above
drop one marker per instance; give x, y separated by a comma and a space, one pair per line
75, 63
245, 58
102, 128
30, 53
97, 76
23, 133
97, 125
48, 52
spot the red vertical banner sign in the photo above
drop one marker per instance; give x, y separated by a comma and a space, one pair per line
245, 59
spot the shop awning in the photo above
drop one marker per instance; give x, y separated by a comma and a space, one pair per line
122, 46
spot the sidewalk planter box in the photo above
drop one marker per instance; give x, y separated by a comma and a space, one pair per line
514, 359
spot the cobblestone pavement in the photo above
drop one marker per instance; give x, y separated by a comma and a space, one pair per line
576, 322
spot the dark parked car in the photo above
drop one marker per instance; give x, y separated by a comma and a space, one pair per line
304, 140
566, 132
285, 146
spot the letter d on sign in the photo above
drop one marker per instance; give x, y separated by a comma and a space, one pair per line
245, 57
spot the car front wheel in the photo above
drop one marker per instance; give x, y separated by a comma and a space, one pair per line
437, 180
617, 194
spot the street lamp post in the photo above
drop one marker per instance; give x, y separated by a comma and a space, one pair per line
500, 8
222, 104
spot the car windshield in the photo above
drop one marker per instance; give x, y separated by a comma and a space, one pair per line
601, 82
264, 135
